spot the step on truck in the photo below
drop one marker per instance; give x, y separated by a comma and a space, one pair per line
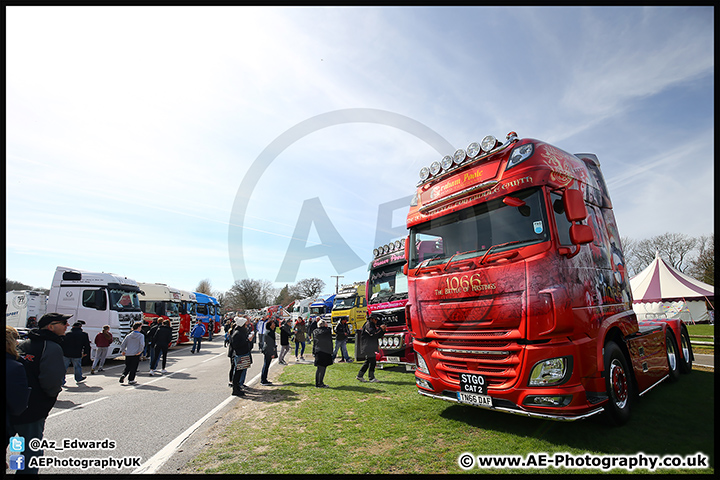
387, 289
519, 299
158, 301
350, 303
98, 299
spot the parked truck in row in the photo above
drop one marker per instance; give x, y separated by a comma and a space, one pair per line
158, 303
23, 308
350, 303
321, 308
519, 300
387, 289
98, 299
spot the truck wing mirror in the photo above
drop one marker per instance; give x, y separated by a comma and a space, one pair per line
407, 256
580, 234
574, 204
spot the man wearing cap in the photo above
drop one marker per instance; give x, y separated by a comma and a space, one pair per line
44, 367
75, 346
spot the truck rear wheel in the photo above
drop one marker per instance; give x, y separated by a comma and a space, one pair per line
673, 356
686, 350
618, 385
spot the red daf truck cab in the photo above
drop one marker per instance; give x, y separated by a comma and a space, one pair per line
518, 298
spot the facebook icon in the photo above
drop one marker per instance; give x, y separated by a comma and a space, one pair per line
17, 462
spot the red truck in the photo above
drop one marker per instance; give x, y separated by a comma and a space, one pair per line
387, 296
519, 300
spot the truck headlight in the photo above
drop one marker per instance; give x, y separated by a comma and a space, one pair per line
421, 365
549, 372
520, 154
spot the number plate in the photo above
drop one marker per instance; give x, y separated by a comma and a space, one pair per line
393, 359
473, 383
473, 399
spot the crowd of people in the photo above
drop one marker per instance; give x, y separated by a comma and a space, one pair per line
36, 367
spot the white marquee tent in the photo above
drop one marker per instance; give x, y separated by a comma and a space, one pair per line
661, 290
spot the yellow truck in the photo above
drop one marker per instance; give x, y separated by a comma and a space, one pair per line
350, 303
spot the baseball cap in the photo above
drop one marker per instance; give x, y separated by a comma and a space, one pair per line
48, 318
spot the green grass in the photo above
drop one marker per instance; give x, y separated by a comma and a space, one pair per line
702, 333
386, 427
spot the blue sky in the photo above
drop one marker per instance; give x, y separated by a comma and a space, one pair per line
131, 130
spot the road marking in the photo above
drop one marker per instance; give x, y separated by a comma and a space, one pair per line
160, 458
163, 375
213, 358
75, 407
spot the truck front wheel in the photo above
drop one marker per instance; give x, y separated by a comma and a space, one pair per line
618, 385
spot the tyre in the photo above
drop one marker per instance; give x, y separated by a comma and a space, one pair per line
673, 356
686, 350
618, 384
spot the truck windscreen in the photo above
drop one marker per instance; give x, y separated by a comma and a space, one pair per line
124, 301
472, 231
344, 303
388, 284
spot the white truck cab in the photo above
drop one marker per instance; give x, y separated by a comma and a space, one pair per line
98, 299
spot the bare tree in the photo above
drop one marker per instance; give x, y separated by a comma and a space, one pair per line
204, 287
250, 294
703, 268
308, 288
674, 248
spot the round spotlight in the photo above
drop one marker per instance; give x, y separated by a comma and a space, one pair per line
473, 150
446, 162
424, 173
435, 168
488, 143
375, 252
397, 244
459, 156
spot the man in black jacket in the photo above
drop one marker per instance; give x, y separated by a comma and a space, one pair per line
161, 342
76, 346
43, 359
285, 334
371, 332
342, 332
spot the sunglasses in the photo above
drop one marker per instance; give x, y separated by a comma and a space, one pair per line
60, 323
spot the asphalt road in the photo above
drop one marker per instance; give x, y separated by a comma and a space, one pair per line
141, 420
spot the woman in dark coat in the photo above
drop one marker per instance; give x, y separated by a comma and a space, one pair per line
242, 359
322, 349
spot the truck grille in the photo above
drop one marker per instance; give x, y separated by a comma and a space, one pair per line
495, 354
126, 321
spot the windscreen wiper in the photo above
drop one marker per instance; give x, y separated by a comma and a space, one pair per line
498, 246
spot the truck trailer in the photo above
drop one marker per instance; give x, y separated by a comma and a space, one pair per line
519, 300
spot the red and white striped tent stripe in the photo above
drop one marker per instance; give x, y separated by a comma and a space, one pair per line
660, 282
